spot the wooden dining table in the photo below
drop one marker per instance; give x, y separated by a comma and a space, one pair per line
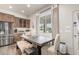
40, 41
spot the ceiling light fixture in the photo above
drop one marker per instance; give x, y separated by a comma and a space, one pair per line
10, 7
28, 5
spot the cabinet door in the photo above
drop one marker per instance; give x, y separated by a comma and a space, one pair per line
16, 22
6, 18
28, 23
20, 23
1, 16
24, 23
12, 18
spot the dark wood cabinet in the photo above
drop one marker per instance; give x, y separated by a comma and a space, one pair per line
28, 23
22, 23
17, 22
6, 17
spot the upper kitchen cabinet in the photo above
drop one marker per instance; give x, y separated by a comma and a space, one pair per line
28, 23
17, 21
22, 23
6, 17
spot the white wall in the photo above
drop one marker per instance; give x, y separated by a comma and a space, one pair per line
66, 24
33, 24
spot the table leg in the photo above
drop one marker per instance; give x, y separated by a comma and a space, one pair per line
53, 41
17, 47
39, 50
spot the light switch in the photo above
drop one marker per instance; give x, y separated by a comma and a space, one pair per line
67, 29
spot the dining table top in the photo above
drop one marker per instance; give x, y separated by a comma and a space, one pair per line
39, 40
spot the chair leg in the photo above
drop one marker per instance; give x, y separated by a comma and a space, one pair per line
17, 47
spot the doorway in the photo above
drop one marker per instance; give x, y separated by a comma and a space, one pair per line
76, 32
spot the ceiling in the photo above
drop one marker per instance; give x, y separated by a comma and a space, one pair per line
17, 8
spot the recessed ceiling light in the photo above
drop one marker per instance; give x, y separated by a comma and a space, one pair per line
22, 11
28, 5
10, 7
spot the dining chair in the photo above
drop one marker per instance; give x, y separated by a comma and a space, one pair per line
22, 44
53, 49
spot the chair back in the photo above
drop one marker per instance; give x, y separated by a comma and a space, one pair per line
56, 42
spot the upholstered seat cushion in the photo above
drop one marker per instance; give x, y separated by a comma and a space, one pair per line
24, 44
51, 50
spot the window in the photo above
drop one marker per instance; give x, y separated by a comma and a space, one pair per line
42, 24
45, 24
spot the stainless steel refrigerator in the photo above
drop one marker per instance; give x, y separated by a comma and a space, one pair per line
6, 36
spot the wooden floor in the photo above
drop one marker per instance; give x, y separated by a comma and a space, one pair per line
8, 50
11, 50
